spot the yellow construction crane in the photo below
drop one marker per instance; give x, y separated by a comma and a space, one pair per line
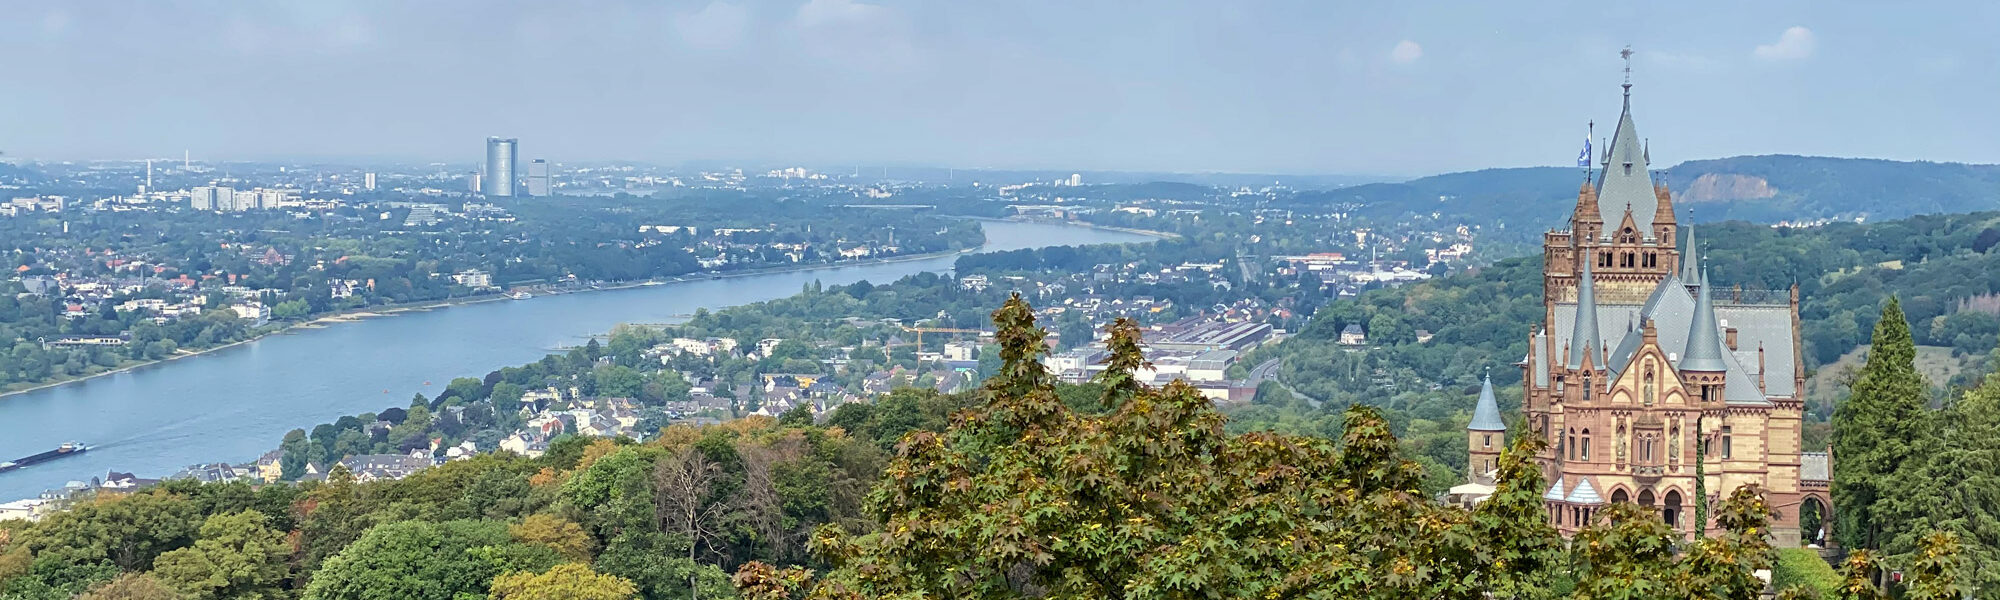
920, 332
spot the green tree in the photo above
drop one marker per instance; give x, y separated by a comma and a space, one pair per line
1025, 497
1526, 553
561, 534
412, 560
563, 582
660, 568
1876, 431
1934, 575
1725, 566
1951, 486
239, 556
131, 586
1626, 553
128, 531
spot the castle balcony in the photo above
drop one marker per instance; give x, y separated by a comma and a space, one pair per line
1648, 474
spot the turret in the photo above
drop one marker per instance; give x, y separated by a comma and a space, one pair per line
1584, 343
1486, 435
1702, 367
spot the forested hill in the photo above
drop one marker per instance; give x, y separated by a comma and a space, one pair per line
11, 174
1764, 189
1945, 268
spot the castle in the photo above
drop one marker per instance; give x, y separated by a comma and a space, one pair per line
1645, 376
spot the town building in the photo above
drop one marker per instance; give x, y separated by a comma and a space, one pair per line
1649, 384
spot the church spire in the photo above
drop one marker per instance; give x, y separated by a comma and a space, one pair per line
1584, 341
1704, 348
1486, 413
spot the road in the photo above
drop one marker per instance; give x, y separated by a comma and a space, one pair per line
1268, 371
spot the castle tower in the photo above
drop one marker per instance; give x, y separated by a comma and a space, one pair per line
1623, 226
1485, 436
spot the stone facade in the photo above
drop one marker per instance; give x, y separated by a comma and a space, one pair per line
1643, 370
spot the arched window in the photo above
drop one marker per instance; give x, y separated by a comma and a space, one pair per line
1488, 441
1726, 450
1620, 496
1646, 498
1585, 446
1646, 449
1672, 514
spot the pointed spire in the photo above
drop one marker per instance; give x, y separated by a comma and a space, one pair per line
1625, 178
1486, 414
1704, 349
1690, 267
1584, 340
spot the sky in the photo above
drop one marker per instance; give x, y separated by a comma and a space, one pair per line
1305, 87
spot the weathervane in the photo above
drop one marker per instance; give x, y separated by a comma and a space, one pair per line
1627, 55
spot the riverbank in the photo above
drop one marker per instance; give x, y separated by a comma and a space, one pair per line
391, 310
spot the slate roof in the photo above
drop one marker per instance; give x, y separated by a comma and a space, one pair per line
1584, 494
1704, 347
1486, 414
1672, 309
1624, 180
1814, 466
1555, 491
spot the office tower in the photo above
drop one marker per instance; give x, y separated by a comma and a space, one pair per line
368, 181
1075, 179
500, 153
202, 198
538, 178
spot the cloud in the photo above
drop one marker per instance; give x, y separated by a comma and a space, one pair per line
839, 13
1794, 44
856, 34
1406, 52
717, 26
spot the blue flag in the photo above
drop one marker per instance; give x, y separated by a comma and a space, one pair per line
1583, 158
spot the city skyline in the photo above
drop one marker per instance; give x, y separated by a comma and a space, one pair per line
1275, 88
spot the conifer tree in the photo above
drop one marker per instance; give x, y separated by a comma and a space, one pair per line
1953, 484
1877, 431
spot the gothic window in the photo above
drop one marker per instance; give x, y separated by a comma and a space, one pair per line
1571, 454
1586, 388
1625, 260
1489, 440
1585, 446
1646, 449
1727, 452
1627, 236
1650, 260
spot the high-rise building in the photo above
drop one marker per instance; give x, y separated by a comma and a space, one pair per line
500, 157
1648, 384
368, 181
1075, 179
538, 178
202, 198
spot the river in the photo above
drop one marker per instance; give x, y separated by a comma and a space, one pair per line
234, 404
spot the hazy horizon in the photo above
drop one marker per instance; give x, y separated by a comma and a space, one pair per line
1289, 88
